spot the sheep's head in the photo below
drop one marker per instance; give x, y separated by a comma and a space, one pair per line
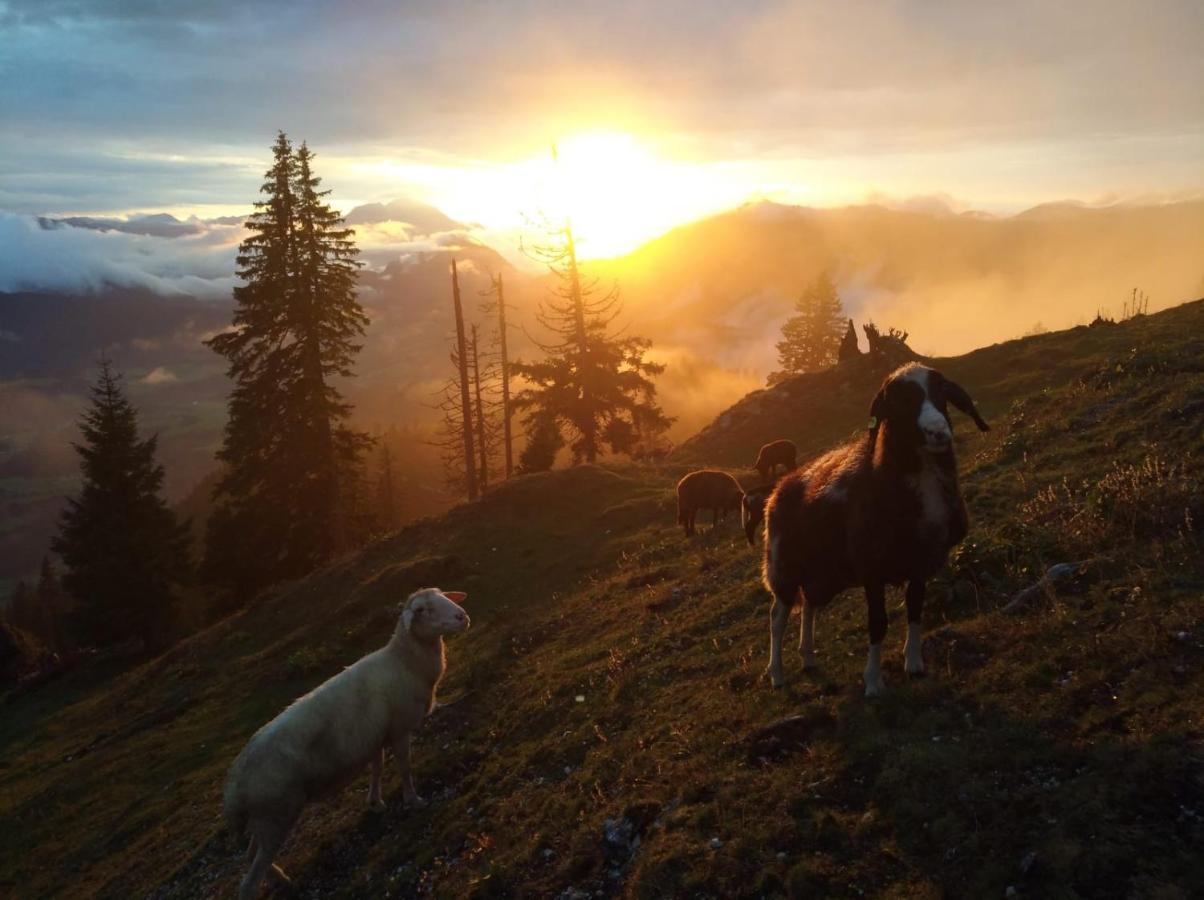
432, 613
913, 400
752, 511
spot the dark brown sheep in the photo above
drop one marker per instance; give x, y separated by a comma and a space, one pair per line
883, 509
753, 511
777, 453
706, 489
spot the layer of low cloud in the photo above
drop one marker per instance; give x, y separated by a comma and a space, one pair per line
193, 257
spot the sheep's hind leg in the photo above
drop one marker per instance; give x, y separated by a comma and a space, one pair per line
401, 750
806, 636
913, 655
269, 839
875, 597
375, 801
779, 613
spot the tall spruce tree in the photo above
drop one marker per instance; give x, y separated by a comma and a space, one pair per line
596, 385
288, 451
811, 337
124, 552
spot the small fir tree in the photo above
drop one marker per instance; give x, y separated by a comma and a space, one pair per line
594, 384
124, 553
811, 337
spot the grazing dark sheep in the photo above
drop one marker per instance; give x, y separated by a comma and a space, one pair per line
706, 489
753, 511
777, 453
883, 509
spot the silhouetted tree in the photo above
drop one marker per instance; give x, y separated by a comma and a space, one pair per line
287, 449
20, 611
892, 344
484, 438
848, 345
457, 432
51, 606
124, 552
811, 337
387, 491
543, 443
594, 384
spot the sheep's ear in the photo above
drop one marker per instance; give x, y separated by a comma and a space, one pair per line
407, 618
455, 596
958, 397
877, 411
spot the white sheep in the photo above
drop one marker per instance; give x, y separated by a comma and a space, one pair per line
324, 739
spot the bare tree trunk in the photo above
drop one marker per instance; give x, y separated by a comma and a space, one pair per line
589, 435
476, 386
470, 468
507, 440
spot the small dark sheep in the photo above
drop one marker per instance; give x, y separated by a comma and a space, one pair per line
777, 453
706, 489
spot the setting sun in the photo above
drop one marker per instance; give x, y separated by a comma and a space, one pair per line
618, 193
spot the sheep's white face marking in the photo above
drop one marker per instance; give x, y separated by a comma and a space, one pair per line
938, 437
433, 612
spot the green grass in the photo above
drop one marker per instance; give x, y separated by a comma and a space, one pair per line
1059, 751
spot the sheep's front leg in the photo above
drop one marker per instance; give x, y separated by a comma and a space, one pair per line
806, 636
401, 750
913, 656
875, 598
375, 801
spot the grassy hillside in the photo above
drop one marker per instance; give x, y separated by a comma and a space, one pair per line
614, 672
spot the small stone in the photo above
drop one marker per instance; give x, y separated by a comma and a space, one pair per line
716, 843
781, 857
1010, 892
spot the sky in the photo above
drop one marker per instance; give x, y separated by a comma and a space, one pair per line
662, 112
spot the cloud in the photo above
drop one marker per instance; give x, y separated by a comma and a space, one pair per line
158, 375
181, 99
40, 255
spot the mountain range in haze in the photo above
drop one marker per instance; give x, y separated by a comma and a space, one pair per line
712, 296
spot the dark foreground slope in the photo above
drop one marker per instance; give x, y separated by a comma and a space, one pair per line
613, 672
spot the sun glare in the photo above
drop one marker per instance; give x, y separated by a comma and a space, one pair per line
615, 191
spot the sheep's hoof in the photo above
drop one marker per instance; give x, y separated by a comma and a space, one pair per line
917, 672
810, 661
777, 681
378, 806
417, 802
875, 688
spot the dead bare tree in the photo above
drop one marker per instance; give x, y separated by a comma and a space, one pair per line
497, 303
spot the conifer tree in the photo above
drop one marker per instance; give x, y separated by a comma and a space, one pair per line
594, 384
848, 344
124, 552
50, 606
811, 337
543, 443
288, 453
20, 606
387, 490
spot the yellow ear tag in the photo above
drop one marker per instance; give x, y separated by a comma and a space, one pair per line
873, 423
